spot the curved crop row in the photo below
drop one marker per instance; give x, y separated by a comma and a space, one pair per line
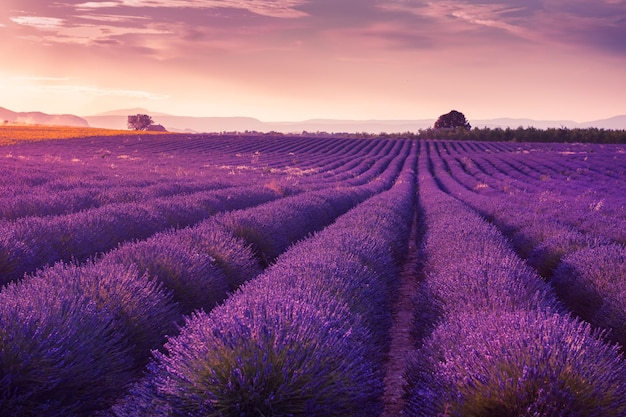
494, 338
70, 196
305, 338
140, 291
52, 180
584, 266
32, 243
559, 185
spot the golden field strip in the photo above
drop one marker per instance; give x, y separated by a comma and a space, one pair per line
15, 133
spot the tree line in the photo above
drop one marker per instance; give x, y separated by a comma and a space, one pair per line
526, 134
454, 126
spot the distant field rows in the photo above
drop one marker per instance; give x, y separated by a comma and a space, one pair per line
222, 275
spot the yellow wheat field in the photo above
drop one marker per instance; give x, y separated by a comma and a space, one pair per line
15, 133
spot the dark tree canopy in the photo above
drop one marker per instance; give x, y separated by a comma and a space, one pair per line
452, 120
139, 122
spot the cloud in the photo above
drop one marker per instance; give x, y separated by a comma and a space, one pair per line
98, 5
601, 25
271, 8
111, 18
81, 29
38, 22
160, 26
460, 16
574, 22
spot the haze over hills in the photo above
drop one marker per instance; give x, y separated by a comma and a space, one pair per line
35, 117
117, 119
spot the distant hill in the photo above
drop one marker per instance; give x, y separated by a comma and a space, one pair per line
617, 122
183, 123
39, 118
117, 120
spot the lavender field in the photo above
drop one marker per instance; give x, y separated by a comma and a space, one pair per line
216, 275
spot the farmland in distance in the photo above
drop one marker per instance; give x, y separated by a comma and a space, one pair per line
148, 275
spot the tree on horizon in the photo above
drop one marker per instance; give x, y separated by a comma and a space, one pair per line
139, 121
452, 120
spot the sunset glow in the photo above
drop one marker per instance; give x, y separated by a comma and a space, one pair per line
280, 60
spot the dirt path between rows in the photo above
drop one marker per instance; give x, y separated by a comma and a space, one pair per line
402, 344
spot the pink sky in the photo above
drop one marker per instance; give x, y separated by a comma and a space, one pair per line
301, 59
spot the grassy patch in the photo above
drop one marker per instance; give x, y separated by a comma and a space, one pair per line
16, 133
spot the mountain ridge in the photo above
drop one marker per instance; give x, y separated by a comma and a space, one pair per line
37, 117
220, 124
117, 119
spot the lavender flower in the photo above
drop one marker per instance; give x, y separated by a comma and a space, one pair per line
524, 364
267, 354
592, 282
61, 353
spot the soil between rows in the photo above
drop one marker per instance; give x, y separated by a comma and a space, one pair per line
402, 344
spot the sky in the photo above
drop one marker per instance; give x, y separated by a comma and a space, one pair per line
291, 60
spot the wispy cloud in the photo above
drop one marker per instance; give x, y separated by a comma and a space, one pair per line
450, 14
272, 8
39, 22
578, 22
111, 18
64, 31
308, 57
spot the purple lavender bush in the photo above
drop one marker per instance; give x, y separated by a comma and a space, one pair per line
592, 282
141, 307
193, 277
526, 363
546, 256
12, 252
232, 255
61, 353
262, 354
273, 227
302, 339
349, 276
83, 234
493, 338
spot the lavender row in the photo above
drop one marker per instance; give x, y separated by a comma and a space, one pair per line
494, 339
140, 290
67, 196
145, 288
74, 336
31, 243
584, 267
111, 163
268, 230
592, 282
305, 338
591, 204
543, 226
55, 183
550, 167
